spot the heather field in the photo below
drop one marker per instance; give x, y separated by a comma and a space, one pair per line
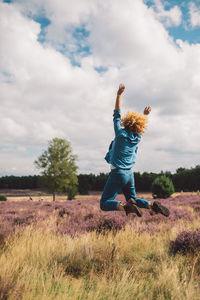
72, 250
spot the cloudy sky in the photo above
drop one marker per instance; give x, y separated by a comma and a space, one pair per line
60, 66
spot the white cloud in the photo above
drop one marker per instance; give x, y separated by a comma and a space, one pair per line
171, 17
65, 16
43, 95
194, 12
11, 128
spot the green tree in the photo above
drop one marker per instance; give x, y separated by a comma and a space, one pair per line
59, 168
162, 187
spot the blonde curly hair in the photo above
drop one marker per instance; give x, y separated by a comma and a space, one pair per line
135, 122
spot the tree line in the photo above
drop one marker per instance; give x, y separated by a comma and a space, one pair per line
186, 180
183, 179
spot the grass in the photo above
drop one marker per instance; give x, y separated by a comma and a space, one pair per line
38, 264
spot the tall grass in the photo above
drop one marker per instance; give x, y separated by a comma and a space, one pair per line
38, 264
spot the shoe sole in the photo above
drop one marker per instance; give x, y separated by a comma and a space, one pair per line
137, 211
134, 209
159, 208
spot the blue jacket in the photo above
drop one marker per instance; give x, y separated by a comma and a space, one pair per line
123, 149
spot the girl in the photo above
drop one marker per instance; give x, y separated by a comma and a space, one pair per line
121, 157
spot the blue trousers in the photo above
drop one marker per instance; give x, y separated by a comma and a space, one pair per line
120, 180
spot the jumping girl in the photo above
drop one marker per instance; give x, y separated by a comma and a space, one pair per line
121, 157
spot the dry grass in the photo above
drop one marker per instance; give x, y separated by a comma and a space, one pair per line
36, 264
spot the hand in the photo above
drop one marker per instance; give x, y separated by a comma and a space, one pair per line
147, 110
121, 89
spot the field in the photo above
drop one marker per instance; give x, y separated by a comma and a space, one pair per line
72, 250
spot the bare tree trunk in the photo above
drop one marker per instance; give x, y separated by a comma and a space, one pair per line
54, 196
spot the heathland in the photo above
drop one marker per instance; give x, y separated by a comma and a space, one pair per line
72, 250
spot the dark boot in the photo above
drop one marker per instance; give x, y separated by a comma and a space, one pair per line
132, 201
158, 208
132, 209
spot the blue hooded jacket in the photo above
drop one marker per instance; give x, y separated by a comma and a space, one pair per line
123, 149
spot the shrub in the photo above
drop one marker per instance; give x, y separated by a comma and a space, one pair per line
106, 224
162, 187
186, 241
3, 198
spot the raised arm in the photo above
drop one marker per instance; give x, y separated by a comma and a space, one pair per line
119, 92
117, 114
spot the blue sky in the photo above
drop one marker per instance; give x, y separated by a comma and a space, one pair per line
184, 31
61, 63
